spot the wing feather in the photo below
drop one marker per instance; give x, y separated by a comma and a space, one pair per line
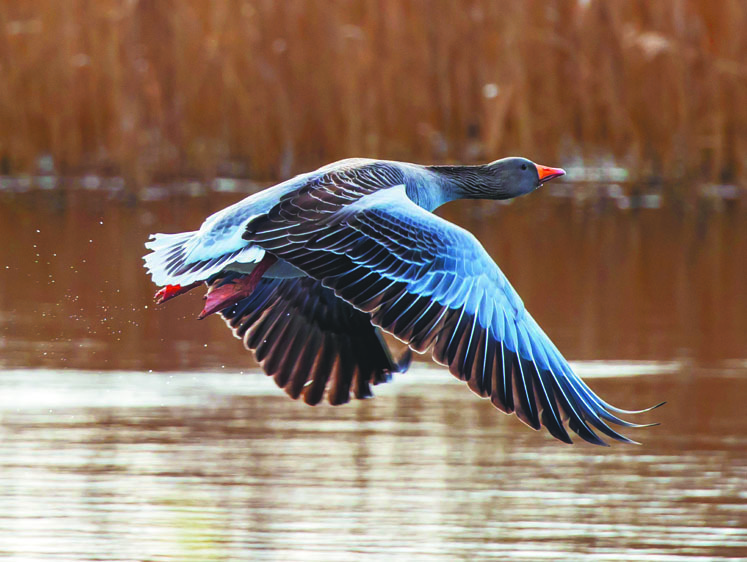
431, 284
310, 341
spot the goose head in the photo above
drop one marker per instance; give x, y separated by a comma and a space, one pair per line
512, 177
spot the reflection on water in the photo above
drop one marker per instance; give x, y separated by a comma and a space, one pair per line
652, 285
120, 463
188, 466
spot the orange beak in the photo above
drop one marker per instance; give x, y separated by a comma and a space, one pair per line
546, 173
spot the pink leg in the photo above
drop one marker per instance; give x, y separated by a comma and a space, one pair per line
170, 291
231, 293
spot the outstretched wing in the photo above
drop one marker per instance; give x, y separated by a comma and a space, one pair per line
309, 340
432, 284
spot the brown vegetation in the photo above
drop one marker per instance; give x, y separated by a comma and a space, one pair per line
155, 88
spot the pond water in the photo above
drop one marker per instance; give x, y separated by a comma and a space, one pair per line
134, 433
216, 466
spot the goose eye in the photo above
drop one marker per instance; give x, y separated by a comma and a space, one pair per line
523, 166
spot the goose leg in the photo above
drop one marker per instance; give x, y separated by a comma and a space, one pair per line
170, 291
223, 296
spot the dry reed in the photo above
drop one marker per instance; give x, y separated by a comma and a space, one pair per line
150, 89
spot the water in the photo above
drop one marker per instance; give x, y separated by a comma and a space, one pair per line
204, 459
215, 466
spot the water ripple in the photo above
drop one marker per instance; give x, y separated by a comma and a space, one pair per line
212, 466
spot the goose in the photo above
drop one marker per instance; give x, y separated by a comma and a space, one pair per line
309, 273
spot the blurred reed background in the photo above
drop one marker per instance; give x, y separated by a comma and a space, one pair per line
151, 90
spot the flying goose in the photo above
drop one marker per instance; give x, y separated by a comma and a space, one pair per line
309, 272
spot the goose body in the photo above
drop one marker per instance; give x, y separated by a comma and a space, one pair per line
309, 272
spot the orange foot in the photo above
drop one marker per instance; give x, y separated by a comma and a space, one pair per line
170, 291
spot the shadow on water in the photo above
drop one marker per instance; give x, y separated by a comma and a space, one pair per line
100, 459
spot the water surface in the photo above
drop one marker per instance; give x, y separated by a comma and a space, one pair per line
650, 285
213, 466
134, 433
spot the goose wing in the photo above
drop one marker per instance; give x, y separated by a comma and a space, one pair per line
431, 284
309, 340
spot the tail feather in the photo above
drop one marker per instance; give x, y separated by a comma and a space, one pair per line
160, 240
170, 261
